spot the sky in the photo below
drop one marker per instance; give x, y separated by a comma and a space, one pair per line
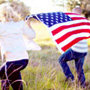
43, 6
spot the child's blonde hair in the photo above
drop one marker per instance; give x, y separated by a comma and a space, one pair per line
7, 13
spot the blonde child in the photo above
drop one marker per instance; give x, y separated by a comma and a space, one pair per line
13, 47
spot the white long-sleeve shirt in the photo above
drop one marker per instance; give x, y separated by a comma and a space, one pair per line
11, 40
81, 46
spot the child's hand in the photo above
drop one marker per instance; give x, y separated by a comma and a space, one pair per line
28, 23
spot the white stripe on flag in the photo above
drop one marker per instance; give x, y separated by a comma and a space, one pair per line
71, 38
75, 16
67, 23
65, 31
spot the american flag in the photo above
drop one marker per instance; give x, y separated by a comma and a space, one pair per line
66, 29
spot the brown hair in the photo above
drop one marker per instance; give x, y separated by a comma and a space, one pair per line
87, 14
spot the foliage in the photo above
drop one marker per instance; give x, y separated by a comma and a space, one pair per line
2, 1
73, 3
82, 3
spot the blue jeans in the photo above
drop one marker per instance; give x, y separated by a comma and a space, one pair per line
79, 61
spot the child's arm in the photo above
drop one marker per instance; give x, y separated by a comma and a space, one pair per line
28, 32
29, 35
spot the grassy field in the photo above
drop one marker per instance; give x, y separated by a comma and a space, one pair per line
43, 71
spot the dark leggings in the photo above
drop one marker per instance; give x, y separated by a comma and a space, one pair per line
10, 74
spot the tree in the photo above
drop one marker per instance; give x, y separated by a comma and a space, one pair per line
2, 1
84, 4
72, 3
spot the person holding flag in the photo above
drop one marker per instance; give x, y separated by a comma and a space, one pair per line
77, 53
69, 31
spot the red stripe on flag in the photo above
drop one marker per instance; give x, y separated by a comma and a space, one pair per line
72, 14
59, 29
61, 39
77, 18
73, 42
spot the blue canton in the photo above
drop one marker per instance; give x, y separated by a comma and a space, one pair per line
51, 19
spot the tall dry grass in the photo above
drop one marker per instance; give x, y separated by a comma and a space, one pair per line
44, 72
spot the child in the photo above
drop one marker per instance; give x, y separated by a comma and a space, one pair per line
13, 47
77, 52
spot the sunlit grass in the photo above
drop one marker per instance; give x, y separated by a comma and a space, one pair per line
42, 34
89, 42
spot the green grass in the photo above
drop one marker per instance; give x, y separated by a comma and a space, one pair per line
44, 72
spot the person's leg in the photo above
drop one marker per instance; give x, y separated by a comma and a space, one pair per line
67, 56
4, 81
79, 68
16, 81
11, 70
4, 85
14, 75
